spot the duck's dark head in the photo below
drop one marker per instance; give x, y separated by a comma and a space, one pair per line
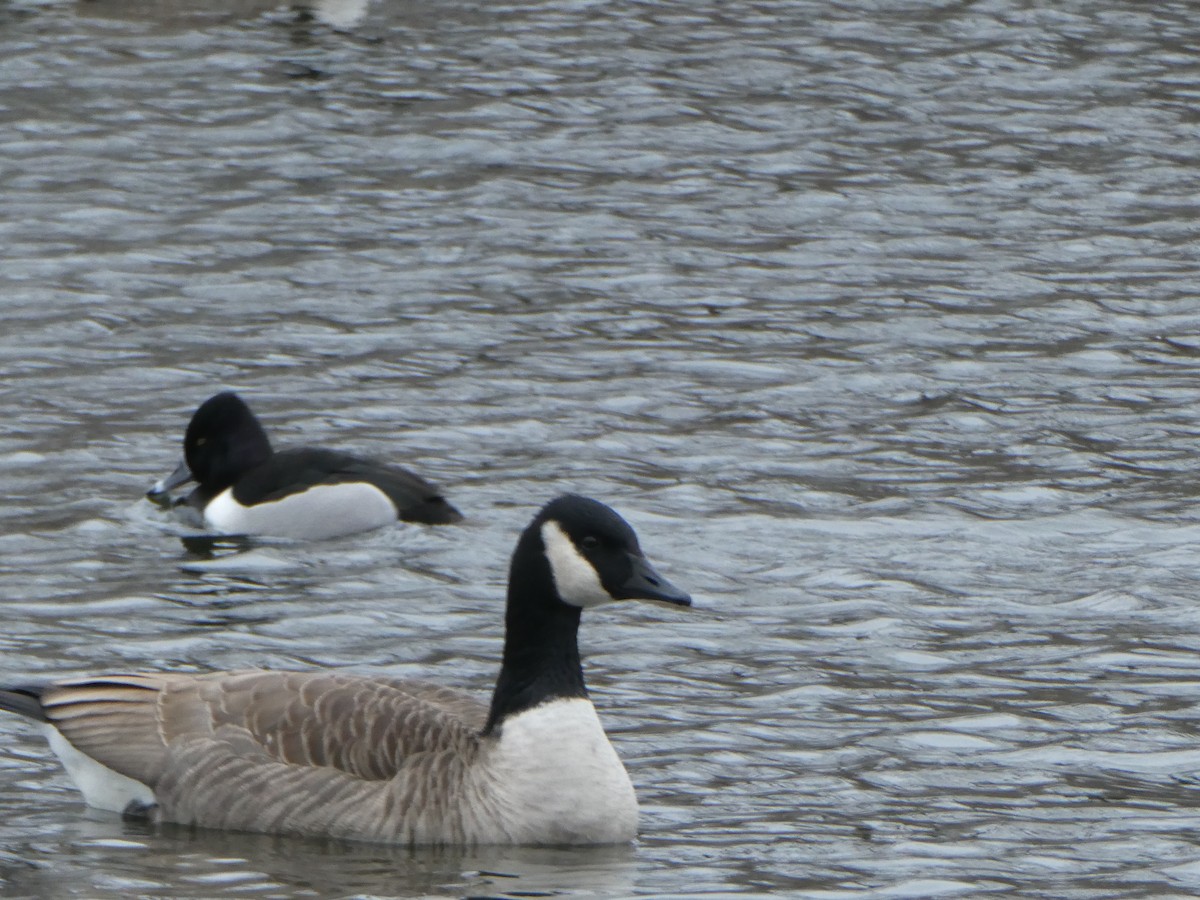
223, 440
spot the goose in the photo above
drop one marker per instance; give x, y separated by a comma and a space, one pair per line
381, 759
307, 493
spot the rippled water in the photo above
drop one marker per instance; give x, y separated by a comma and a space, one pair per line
876, 320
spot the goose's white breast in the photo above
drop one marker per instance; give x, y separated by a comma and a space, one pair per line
559, 779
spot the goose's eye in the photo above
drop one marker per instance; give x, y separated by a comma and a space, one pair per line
591, 542
200, 442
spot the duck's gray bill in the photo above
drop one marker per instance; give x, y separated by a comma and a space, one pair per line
181, 475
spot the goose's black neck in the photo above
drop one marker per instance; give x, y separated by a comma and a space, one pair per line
541, 650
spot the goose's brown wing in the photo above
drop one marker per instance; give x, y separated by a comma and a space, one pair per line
362, 726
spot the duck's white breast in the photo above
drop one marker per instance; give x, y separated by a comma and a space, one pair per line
322, 511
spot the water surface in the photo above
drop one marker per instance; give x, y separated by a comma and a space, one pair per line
876, 320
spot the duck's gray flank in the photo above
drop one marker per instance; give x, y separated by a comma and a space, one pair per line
375, 758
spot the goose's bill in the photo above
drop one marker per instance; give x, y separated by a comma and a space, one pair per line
181, 475
647, 584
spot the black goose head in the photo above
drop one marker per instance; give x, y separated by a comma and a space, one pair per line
594, 556
576, 553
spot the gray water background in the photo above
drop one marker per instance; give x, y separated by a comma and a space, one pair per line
876, 319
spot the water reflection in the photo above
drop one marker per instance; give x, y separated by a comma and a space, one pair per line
338, 14
186, 862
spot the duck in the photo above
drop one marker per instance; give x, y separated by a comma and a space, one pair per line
244, 487
373, 758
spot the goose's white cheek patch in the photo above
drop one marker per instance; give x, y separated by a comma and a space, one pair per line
576, 579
